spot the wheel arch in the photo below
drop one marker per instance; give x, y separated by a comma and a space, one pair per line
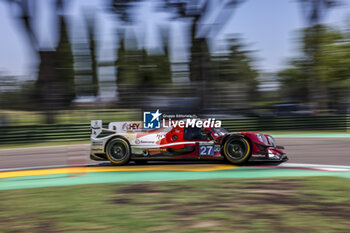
227, 137
237, 136
250, 143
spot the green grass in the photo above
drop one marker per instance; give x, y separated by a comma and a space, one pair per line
318, 204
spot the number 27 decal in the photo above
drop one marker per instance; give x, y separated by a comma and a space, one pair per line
206, 150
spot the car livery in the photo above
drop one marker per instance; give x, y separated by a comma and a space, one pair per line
125, 141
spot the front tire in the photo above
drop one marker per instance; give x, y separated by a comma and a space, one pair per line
118, 151
237, 150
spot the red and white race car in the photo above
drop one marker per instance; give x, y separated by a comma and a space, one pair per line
125, 141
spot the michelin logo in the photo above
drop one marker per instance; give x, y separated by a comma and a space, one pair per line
151, 120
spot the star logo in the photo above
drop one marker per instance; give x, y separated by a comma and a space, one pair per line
151, 120
156, 115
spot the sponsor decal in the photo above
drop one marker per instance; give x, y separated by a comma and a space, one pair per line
97, 143
156, 150
206, 150
123, 127
152, 120
199, 123
147, 141
131, 126
138, 141
258, 155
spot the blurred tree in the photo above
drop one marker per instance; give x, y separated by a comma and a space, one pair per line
335, 67
294, 83
129, 75
120, 63
85, 56
123, 9
330, 61
64, 66
129, 60
197, 11
156, 67
314, 11
90, 23
137, 70
54, 88
237, 67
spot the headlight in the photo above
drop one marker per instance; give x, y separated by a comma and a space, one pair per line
272, 141
262, 139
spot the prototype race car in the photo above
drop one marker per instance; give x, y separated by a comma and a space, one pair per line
125, 141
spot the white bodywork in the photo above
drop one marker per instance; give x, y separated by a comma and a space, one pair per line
132, 131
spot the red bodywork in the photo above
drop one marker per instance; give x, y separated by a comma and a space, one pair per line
177, 142
174, 141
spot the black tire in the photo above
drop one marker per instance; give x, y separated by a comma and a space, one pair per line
118, 151
237, 150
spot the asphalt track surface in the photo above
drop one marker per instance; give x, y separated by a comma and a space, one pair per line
305, 150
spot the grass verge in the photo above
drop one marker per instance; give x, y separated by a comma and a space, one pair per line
316, 204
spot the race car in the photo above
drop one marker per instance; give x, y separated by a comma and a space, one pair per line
125, 141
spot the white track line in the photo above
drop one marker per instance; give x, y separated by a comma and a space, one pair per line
334, 169
312, 165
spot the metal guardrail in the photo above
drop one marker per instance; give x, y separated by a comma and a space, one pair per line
80, 132
41, 133
339, 123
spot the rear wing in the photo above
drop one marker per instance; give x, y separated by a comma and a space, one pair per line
115, 127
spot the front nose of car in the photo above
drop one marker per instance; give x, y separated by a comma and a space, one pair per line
277, 154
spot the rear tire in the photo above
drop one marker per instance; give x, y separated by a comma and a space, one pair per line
118, 151
237, 150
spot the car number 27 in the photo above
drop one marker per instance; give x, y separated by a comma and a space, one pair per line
206, 150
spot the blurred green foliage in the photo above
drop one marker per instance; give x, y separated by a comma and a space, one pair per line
321, 75
226, 80
90, 21
237, 67
137, 66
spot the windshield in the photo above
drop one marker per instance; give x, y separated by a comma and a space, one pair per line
220, 131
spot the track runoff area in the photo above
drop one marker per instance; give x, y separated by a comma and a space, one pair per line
69, 165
